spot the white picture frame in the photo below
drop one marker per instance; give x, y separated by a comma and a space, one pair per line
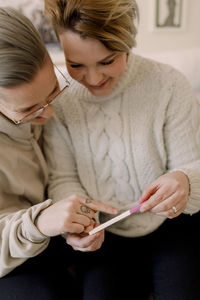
168, 15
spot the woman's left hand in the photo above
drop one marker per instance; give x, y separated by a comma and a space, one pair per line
84, 242
166, 196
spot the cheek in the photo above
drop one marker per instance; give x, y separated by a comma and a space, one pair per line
118, 69
48, 112
74, 73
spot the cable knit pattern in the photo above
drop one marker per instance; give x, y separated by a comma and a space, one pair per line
106, 141
111, 148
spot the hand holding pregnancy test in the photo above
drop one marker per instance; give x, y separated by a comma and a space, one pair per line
116, 219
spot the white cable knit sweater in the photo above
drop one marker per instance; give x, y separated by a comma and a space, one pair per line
112, 147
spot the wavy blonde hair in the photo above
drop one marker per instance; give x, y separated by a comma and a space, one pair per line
22, 51
110, 21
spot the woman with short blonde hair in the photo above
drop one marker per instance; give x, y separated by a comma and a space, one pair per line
126, 132
111, 21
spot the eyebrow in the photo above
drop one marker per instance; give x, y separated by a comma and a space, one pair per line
105, 58
35, 105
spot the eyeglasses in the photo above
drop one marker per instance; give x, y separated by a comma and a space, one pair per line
34, 114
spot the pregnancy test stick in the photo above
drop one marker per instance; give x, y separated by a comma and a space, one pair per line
116, 219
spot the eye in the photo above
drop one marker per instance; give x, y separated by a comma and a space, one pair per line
26, 110
106, 63
74, 66
29, 109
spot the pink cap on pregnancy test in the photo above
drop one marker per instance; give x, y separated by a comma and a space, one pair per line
116, 219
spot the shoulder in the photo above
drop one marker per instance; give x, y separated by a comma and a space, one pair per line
159, 87
158, 72
159, 78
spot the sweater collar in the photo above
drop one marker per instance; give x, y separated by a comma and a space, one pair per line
21, 131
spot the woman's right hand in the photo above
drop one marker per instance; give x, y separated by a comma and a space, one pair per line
70, 215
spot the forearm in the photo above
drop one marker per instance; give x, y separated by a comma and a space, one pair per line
59, 188
59, 152
20, 238
182, 140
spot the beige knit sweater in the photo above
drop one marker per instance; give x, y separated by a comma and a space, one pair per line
111, 148
23, 177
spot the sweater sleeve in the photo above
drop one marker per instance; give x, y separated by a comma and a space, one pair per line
182, 137
20, 239
63, 176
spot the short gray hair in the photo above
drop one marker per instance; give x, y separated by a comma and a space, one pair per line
22, 51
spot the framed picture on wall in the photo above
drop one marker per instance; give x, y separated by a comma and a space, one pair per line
169, 15
34, 11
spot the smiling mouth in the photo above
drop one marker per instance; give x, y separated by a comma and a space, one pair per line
99, 86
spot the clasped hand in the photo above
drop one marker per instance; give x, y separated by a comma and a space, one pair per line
166, 196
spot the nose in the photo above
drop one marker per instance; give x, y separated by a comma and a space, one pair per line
47, 112
93, 76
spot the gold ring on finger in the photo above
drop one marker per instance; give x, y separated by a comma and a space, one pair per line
174, 209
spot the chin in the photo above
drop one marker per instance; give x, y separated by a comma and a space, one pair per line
100, 93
